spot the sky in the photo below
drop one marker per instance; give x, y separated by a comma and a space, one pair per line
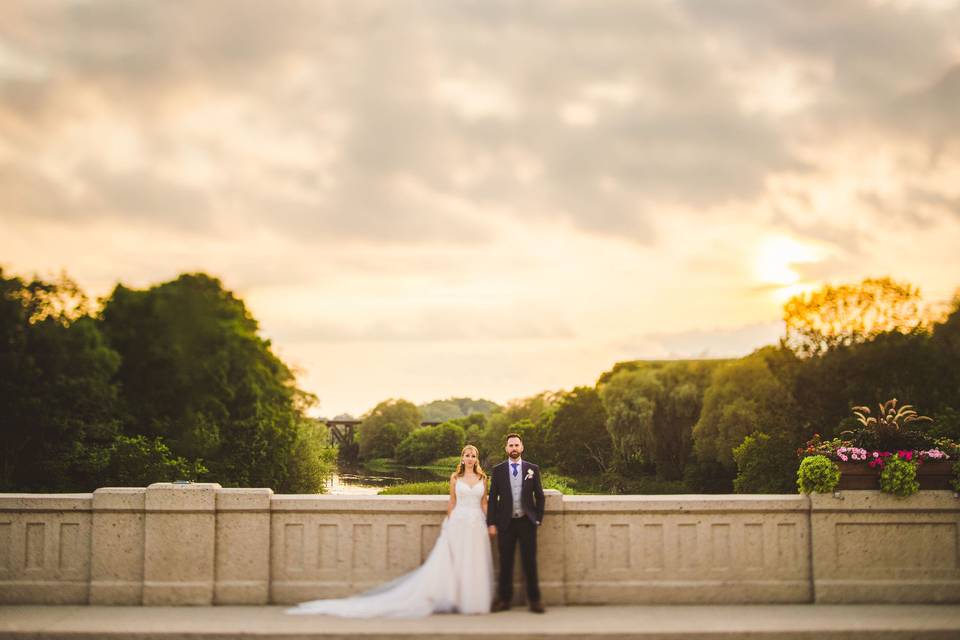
428, 199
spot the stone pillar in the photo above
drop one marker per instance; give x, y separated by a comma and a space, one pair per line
116, 564
242, 546
179, 544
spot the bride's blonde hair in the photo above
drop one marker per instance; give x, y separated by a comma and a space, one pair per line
476, 468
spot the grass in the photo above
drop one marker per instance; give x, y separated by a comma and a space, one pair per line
438, 488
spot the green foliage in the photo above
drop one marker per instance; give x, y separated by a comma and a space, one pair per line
162, 379
891, 365
956, 476
428, 443
312, 460
629, 400
563, 484
440, 487
385, 427
745, 396
899, 477
651, 412
946, 424
534, 436
707, 477
453, 408
58, 400
139, 461
642, 485
817, 474
576, 435
195, 372
535, 409
765, 465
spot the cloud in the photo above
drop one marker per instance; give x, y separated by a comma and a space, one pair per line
369, 122
703, 343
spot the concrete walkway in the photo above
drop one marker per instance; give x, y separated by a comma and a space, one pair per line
757, 622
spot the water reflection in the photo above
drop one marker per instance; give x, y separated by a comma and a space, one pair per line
360, 480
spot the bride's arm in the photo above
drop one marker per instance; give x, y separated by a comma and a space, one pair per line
483, 500
452, 502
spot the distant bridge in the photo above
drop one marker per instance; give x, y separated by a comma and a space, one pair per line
342, 432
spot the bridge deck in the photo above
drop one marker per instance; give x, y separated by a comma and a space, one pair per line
758, 622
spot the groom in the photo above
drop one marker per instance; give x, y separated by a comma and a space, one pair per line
514, 511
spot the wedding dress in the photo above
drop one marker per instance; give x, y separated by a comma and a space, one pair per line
456, 577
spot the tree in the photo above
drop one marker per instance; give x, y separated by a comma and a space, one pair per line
58, 401
577, 435
629, 400
500, 423
385, 427
443, 410
315, 459
844, 315
195, 372
429, 443
651, 409
745, 396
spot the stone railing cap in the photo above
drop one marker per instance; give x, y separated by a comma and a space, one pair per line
167, 496
120, 498
687, 503
232, 499
45, 501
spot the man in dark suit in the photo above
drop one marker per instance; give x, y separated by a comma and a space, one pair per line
514, 511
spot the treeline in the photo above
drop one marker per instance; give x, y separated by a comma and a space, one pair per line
167, 383
716, 426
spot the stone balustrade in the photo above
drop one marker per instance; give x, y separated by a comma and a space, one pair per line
171, 544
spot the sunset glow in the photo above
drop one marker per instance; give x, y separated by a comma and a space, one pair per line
481, 198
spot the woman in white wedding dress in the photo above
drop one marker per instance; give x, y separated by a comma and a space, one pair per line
457, 575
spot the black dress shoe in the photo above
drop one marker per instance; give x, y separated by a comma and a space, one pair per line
537, 607
499, 605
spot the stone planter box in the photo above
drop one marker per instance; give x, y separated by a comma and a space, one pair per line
935, 474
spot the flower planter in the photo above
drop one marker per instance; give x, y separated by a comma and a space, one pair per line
933, 474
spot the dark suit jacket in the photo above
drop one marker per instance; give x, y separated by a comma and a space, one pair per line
500, 500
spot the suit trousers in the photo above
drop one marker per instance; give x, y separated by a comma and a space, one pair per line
521, 530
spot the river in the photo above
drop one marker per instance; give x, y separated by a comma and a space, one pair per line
359, 480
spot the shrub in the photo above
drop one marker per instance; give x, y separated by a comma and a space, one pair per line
138, 461
558, 482
764, 465
429, 443
817, 474
899, 477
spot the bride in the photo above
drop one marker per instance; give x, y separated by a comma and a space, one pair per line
457, 575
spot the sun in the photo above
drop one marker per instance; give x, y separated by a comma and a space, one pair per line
776, 260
